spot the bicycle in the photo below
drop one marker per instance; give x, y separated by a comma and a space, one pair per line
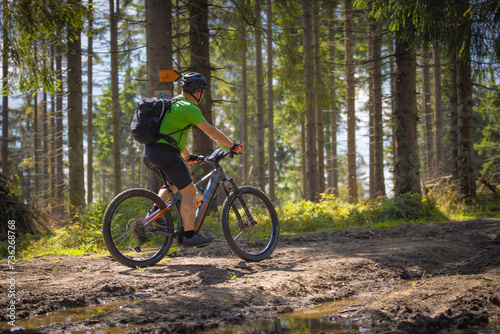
136, 237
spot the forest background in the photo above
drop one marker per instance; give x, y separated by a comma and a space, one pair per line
303, 84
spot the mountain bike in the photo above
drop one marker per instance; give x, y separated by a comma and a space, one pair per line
136, 236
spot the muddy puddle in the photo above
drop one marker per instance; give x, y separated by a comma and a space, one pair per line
296, 325
69, 316
290, 325
309, 319
322, 318
316, 319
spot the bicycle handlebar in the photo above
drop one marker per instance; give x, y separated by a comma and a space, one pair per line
216, 156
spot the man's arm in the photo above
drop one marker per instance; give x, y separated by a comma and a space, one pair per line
185, 153
215, 134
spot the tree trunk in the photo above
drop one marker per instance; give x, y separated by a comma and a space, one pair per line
270, 104
52, 136
303, 157
371, 109
159, 46
75, 122
45, 146
178, 23
53, 168
36, 147
159, 56
466, 169
58, 115
318, 87
90, 129
261, 168
392, 66
407, 164
199, 38
379, 182
427, 117
115, 96
438, 112
333, 179
453, 119
5, 89
244, 107
312, 186
350, 102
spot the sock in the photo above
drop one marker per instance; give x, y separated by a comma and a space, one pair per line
188, 234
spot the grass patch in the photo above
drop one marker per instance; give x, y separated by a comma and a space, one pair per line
332, 213
454, 207
82, 235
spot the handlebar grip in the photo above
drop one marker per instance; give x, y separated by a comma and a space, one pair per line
236, 149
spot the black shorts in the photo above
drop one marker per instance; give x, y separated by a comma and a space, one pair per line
168, 159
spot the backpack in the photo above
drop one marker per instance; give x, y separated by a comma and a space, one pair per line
147, 119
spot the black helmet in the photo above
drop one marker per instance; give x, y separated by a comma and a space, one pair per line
194, 82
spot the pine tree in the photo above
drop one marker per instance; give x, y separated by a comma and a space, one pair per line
333, 178
427, 117
270, 103
114, 12
159, 56
438, 112
311, 160
199, 42
75, 119
90, 130
261, 168
5, 89
407, 165
352, 181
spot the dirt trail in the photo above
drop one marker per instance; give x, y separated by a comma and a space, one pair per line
424, 278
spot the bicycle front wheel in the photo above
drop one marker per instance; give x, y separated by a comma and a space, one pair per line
250, 224
129, 238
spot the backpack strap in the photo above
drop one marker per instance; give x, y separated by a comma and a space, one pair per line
168, 136
171, 140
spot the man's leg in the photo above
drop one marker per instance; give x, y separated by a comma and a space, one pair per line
188, 213
163, 193
188, 206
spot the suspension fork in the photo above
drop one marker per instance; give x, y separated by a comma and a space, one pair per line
238, 194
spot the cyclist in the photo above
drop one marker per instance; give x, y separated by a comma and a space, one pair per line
168, 157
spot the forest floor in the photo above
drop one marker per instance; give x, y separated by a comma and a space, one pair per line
411, 278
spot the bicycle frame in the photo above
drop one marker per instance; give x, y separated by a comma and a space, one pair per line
216, 178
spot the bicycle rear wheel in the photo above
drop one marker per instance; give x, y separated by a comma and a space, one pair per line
251, 227
129, 238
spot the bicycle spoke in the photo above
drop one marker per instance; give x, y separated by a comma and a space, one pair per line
122, 237
237, 236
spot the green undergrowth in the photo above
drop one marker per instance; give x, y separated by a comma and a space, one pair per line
333, 213
83, 234
486, 204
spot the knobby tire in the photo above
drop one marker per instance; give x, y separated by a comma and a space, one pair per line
122, 229
250, 240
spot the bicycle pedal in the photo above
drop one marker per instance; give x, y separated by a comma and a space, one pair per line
179, 238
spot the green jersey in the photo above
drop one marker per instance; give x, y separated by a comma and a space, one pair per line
182, 113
